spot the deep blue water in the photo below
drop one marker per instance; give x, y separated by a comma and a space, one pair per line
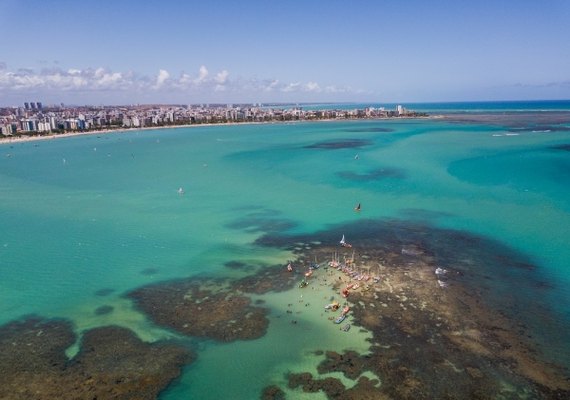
457, 107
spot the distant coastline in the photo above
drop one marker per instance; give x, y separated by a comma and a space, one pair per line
30, 138
34, 122
296, 116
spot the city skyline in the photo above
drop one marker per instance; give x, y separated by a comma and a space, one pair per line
86, 52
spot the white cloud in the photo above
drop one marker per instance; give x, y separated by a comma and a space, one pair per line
222, 76
312, 87
202, 74
123, 84
163, 75
271, 85
335, 89
291, 87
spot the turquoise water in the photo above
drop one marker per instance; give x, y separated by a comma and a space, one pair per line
459, 106
87, 213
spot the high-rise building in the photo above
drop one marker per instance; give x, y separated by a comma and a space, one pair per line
27, 106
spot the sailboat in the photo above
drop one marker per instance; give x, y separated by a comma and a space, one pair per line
357, 208
343, 242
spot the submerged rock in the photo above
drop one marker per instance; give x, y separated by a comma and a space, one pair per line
468, 339
202, 309
104, 310
272, 393
112, 363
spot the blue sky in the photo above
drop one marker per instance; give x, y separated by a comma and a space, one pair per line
127, 51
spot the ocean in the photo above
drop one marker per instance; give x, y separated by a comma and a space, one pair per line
86, 220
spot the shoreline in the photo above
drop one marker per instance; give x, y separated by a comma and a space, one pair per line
508, 119
20, 139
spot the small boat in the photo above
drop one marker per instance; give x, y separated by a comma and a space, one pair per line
314, 266
309, 273
340, 319
303, 283
343, 242
345, 328
289, 267
345, 310
440, 271
344, 293
180, 190
332, 306
357, 208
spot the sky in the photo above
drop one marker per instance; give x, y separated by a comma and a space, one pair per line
111, 52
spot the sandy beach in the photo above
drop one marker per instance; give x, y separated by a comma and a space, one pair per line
25, 138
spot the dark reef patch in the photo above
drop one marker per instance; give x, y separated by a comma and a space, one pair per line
149, 271
369, 130
238, 265
202, 308
262, 221
272, 393
351, 364
563, 147
268, 279
334, 389
104, 292
374, 175
511, 119
104, 310
340, 144
235, 265
112, 363
462, 333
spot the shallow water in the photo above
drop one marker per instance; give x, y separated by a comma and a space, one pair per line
86, 219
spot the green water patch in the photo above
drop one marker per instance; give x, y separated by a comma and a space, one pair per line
536, 170
371, 129
422, 215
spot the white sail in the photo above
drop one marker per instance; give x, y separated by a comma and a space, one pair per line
342, 240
